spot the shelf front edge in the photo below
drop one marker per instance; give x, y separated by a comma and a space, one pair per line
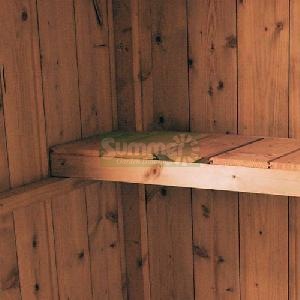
200, 176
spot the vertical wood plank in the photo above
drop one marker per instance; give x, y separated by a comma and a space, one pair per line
59, 68
71, 243
98, 109
94, 66
104, 241
264, 247
294, 68
136, 243
124, 64
127, 20
170, 246
146, 65
61, 91
213, 65
121, 227
4, 169
34, 236
216, 245
9, 272
111, 39
170, 241
294, 131
23, 98
9, 276
141, 39
169, 53
263, 26
136, 63
213, 98
294, 246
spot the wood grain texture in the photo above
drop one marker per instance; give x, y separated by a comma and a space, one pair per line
36, 257
136, 241
146, 63
169, 69
93, 48
263, 109
264, 243
260, 154
213, 108
62, 103
200, 176
287, 162
4, 169
215, 245
37, 192
124, 64
23, 98
294, 246
9, 280
104, 241
170, 243
60, 72
152, 57
170, 111
263, 28
71, 245
294, 69
112, 56
294, 131
213, 65
136, 63
9, 273
127, 27
22, 105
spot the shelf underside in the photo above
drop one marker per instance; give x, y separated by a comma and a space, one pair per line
207, 161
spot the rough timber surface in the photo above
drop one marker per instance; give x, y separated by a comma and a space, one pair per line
206, 161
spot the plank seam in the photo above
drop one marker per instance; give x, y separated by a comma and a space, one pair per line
17, 257
48, 241
289, 134
42, 72
283, 155
5, 131
77, 66
112, 65
88, 241
210, 158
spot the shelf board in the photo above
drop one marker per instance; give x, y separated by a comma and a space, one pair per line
206, 161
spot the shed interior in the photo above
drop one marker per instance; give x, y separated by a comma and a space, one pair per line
74, 69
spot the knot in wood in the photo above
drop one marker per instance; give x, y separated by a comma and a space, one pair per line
154, 171
24, 15
231, 41
112, 216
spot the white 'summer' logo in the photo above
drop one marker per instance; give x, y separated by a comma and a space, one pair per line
181, 148
188, 148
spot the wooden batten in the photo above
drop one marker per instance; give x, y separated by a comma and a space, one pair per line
38, 191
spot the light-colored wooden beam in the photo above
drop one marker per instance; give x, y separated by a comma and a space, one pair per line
201, 176
38, 191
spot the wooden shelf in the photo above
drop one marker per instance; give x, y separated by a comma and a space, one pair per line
207, 161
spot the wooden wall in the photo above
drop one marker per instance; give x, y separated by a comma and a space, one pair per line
210, 66
74, 68
58, 241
